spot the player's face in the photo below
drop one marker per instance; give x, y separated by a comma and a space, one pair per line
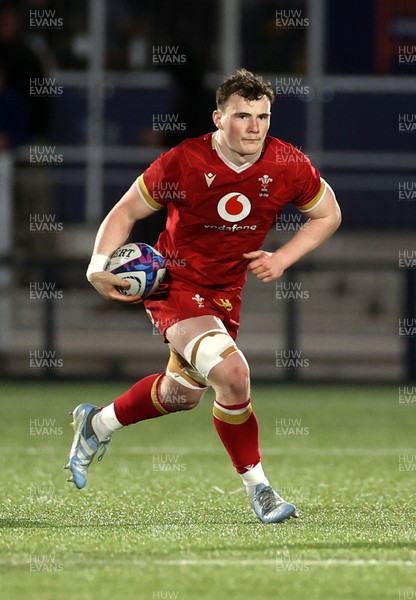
242, 126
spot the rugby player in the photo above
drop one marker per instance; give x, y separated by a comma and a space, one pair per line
230, 186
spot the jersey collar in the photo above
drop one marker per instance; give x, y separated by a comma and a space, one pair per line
229, 163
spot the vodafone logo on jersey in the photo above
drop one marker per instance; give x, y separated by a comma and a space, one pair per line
234, 207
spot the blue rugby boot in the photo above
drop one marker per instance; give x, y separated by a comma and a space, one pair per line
85, 445
269, 507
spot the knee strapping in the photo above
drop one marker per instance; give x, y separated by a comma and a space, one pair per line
182, 372
207, 350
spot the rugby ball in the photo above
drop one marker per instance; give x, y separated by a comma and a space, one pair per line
139, 264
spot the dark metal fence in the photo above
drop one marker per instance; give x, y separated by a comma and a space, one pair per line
53, 270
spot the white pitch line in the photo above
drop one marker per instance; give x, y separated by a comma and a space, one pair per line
393, 452
273, 451
283, 563
282, 560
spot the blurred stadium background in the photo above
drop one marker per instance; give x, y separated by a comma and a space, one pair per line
92, 91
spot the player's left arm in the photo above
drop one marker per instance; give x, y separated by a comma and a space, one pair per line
323, 221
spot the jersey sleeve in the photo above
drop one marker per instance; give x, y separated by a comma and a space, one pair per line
308, 186
159, 181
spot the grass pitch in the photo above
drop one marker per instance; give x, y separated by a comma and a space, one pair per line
164, 515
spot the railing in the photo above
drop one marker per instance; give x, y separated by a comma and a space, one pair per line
287, 315
408, 313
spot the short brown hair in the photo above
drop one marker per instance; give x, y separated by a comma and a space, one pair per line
245, 84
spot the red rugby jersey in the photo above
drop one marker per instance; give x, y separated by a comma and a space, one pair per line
217, 211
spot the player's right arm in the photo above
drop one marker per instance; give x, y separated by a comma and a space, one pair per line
113, 233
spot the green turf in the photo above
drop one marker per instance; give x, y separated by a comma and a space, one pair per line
164, 517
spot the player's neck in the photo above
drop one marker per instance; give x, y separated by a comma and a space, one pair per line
238, 160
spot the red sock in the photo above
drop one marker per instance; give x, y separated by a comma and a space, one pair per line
238, 429
141, 401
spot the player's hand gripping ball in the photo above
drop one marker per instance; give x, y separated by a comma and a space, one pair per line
139, 264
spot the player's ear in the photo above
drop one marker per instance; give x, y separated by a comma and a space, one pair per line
216, 117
